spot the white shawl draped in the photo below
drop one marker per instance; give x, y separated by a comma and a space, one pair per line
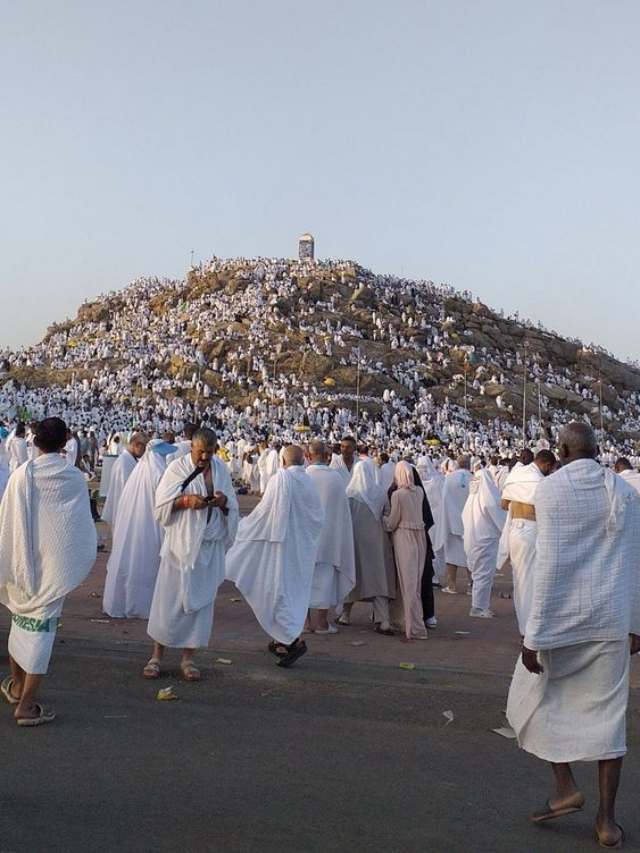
364, 487
122, 469
587, 574
337, 464
185, 529
335, 546
520, 485
47, 536
137, 539
274, 554
454, 496
482, 517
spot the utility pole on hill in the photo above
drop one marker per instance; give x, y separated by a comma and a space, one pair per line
358, 397
525, 344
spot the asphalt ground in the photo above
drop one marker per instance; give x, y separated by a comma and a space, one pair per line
327, 756
346, 751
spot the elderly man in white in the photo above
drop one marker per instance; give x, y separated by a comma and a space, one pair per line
197, 506
569, 693
122, 469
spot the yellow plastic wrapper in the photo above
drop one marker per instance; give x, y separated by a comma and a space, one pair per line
407, 666
167, 693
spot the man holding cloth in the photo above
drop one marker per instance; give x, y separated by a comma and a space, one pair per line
196, 505
569, 693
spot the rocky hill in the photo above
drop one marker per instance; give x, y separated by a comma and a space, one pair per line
329, 332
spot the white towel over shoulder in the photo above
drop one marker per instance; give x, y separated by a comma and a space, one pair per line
47, 536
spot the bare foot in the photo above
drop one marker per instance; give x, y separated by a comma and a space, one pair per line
573, 801
610, 834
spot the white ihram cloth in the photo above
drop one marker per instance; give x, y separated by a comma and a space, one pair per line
250, 472
274, 555
4, 477
192, 556
518, 540
384, 475
433, 483
482, 521
575, 710
334, 574
122, 469
337, 464
363, 486
16, 453
586, 601
268, 464
47, 548
449, 530
632, 478
182, 449
133, 566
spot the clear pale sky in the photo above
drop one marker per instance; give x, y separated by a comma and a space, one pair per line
490, 144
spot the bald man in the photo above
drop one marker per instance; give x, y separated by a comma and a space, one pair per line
274, 555
122, 469
568, 697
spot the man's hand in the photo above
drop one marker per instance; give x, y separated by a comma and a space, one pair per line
531, 662
195, 502
219, 500
634, 644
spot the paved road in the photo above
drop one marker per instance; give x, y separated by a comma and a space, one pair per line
328, 756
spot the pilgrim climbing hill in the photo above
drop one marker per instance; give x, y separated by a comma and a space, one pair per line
330, 333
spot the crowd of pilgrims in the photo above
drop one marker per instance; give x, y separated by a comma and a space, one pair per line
146, 362
118, 381
451, 520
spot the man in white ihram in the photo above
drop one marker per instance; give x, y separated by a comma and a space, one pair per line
268, 464
274, 555
518, 540
626, 470
482, 520
133, 565
569, 693
449, 531
334, 574
346, 462
47, 548
197, 506
122, 469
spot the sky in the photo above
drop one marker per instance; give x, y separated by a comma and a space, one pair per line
490, 144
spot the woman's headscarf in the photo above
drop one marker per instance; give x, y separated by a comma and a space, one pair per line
403, 476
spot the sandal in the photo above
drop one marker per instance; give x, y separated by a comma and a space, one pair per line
190, 671
44, 715
547, 813
294, 651
152, 669
277, 649
5, 687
